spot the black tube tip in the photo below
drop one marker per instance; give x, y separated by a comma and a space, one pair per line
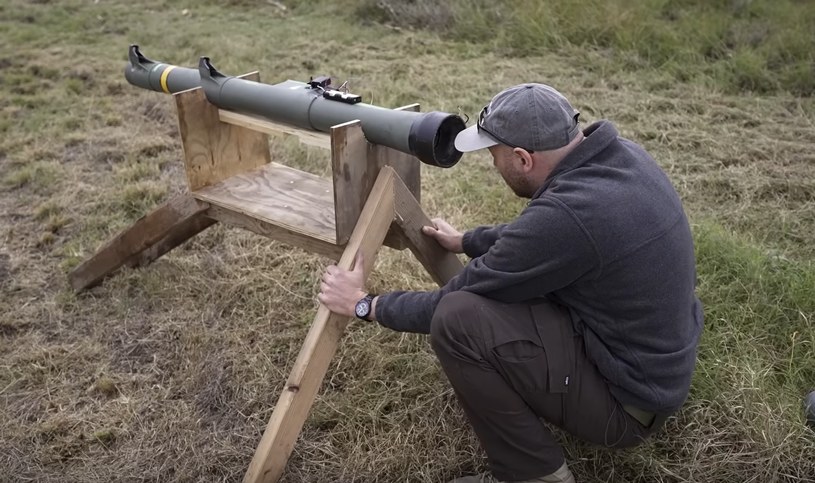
135, 56
432, 138
137, 68
207, 70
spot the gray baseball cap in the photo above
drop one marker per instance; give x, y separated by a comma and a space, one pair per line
535, 117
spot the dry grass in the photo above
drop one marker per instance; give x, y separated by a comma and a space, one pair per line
169, 373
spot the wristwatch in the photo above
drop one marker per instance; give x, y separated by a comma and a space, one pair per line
363, 308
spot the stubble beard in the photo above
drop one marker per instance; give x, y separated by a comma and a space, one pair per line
519, 184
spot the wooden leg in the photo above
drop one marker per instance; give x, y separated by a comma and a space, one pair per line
439, 263
321, 342
151, 236
178, 235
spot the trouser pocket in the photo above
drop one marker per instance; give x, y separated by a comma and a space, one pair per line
537, 354
523, 364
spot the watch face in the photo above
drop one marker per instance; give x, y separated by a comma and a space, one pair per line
362, 308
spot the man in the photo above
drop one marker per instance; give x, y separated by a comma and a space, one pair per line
580, 312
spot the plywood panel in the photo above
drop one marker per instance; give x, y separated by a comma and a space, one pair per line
214, 151
295, 200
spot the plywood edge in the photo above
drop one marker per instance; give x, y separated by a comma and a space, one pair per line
415, 107
277, 232
260, 124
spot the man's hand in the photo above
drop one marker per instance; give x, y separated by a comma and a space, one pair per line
341, 289
447, 236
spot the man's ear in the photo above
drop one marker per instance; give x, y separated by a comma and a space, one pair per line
527, 162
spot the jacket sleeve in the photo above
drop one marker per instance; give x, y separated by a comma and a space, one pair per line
478, 241
544, 249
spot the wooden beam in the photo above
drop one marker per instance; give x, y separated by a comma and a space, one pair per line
178, 235
353, 176
309, 138
439, 263
355, 164
321, 343
150, 236
407, 166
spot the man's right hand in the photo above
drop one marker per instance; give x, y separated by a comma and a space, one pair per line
447, 236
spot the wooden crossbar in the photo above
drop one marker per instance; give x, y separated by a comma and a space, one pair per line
259, 124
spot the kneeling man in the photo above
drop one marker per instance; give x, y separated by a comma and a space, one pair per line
581, 312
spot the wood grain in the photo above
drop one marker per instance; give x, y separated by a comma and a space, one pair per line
178, 235
441, 264
297, 201
407, 166
275, 232
351, 175
214, 151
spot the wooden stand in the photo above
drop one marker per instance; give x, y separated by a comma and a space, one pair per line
372, 200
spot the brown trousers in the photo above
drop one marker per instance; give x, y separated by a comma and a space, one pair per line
511, 364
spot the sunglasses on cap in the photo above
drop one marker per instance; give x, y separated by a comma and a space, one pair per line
498, 138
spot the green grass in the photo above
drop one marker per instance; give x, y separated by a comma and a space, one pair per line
758, 301
170, 372
760, 45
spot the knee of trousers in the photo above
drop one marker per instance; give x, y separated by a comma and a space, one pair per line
455, 314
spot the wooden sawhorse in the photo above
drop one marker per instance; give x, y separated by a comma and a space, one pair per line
372, 200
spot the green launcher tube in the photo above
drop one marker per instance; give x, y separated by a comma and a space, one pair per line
429, 136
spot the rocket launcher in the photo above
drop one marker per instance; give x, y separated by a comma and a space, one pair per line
314, 105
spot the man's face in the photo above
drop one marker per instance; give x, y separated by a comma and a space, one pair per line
509, 165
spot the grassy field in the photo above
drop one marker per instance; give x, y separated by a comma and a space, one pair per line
170, 373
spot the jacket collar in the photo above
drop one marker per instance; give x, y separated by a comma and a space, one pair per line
598, 136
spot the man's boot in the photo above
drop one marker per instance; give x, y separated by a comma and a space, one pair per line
561, 475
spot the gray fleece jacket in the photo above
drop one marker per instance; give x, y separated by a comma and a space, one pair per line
607, 237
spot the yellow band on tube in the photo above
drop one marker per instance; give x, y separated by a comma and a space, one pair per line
164, 78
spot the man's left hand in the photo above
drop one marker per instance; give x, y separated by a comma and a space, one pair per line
340, 290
